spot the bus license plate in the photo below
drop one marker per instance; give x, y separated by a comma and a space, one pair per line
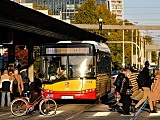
49, 96
66, 97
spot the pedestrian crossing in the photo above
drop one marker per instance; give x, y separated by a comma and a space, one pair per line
89, 114
155, 114
101, 114
57, 112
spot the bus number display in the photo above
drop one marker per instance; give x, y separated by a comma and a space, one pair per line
67, 50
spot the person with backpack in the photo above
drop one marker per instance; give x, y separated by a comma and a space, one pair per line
126, 92
25, 78
119, 79
144, 82
6, 85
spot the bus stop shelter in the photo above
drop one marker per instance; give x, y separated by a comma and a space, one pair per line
20, 25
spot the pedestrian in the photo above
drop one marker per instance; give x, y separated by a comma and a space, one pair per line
35, 87
25, 78
155, 91
125, 93
119, 79
17, 86
134, 69
6, 85
144, 83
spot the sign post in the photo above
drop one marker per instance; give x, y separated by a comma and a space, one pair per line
123, 65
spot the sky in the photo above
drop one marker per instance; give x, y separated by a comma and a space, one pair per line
145, 12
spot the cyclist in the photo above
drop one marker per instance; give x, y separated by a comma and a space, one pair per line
35, 89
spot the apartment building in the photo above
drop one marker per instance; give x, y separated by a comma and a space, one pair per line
66, 8
116, 7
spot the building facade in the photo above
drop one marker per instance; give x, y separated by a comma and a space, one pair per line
116, 7
66, 8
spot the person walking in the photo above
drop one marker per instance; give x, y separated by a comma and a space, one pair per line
144, 83
134, 69
155, 91
17, 86
118, 81
25, 78
6, 85
125, 93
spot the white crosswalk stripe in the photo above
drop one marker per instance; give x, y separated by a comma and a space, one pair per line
102, 114
57, 112
155, 114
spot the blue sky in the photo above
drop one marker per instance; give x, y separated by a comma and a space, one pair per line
142, 11
145, 12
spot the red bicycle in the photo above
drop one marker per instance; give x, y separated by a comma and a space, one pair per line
47, 106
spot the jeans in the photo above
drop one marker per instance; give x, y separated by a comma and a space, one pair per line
3, 98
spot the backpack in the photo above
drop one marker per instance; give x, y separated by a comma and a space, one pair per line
141, 78
25, 77
118, 81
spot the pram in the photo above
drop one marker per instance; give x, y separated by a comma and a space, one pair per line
136, 96
139, 111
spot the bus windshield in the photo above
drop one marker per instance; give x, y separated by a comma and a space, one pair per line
67, 67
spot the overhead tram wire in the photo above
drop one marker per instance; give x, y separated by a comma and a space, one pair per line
142, 7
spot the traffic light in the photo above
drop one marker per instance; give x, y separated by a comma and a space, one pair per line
100, 25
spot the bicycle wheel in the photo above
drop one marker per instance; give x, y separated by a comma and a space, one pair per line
48, 107
19, 107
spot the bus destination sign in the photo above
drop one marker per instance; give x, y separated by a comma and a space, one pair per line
67, 50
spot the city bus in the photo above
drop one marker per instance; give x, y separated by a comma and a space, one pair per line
77, 71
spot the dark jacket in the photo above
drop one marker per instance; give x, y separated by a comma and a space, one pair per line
36, 85
125, 86
6, 85
118, 81
25, 77
145, 78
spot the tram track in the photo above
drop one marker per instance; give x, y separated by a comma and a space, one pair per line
81, 111
9, 116
70, 110
85, 108
89, 106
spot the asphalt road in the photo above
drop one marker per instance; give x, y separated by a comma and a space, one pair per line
82, 111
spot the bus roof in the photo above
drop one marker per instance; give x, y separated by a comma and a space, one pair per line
100, 46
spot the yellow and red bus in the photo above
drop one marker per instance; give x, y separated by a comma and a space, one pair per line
77, 71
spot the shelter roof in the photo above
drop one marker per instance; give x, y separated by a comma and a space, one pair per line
20, 18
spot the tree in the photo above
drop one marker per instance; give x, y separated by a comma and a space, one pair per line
89, 13
154, 56
21, 54
42, 7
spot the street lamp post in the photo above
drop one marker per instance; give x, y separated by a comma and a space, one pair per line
123, 61
136, 49
100, 25
132, 50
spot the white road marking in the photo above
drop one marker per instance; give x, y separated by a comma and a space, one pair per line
5, 114
155, 114
101, 114
57, 112
131, 114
